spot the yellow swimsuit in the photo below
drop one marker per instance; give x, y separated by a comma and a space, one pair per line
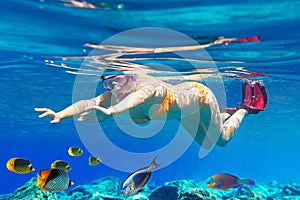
169, 98
167, 102
201, 90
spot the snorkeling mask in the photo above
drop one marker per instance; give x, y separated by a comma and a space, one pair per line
114, 82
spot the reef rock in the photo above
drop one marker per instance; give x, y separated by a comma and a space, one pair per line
291, 189
165, 192
182, 185
29, 191
107, 188
181, 190
138, 196
197, 194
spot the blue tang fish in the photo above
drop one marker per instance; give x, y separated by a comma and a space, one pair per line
136, 181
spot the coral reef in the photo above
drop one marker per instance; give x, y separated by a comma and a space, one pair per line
108, 188
29, 191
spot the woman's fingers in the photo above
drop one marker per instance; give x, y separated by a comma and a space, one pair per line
103, 110
55, 120
44, 114
80, 119
83, 116
41, 109
89, 116
47, 112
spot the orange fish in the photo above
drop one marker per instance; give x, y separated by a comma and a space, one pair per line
53, 180
226, 181
19, 165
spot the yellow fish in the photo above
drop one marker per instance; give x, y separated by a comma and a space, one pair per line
19, 165
60, 164
75, 151
94, 160
53, 180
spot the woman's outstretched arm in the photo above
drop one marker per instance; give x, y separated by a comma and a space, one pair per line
74, 109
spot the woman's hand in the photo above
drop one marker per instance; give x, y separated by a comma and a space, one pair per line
87, 111
49, 112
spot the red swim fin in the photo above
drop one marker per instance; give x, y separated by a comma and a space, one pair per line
247, 94
250, 39
255, 97
261, 98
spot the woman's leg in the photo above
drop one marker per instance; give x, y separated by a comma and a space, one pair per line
218, 128
225, 116
196, 129
230, 126
206, 124
210, 126
254, 100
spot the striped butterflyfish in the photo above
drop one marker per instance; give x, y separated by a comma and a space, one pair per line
53, 179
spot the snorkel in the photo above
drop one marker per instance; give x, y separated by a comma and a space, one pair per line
119, 85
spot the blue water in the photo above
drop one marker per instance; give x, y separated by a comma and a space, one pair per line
265, 147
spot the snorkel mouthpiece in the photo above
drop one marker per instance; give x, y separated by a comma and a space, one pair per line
115, 86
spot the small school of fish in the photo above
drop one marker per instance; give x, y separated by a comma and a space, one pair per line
56, 177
